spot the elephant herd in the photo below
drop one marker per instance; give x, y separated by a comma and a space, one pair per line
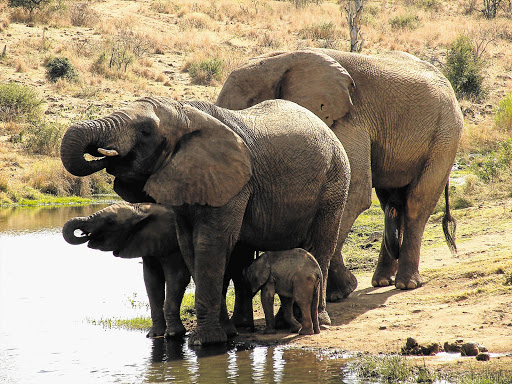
285, 159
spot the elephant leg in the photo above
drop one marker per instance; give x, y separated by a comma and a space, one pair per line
241, 258
154, 280
287, 320
225, 322
267, 302
324, 242
177, 278
422, 198
341, 282
392, 204
303, 295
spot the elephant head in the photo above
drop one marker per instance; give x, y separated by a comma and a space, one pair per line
311, 79
128, 230
258, 273
161, 150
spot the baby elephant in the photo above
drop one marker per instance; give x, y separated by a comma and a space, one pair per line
147, 231
296, 277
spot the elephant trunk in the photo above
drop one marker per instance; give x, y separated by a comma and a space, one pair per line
93, 137
68, 231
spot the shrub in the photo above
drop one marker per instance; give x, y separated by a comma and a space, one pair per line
488, 167
60, 67
82, 15
30, 5
503, 117
19, 103
206, 71
44, 138
464, 68
318, 31
407, 21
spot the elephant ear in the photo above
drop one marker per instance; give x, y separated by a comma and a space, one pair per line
311, 79
209, 166
316, 82
258, 273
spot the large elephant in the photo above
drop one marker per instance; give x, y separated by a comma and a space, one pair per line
271, 177
400, 123
148, 231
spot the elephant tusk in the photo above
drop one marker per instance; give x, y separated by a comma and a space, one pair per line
108, 152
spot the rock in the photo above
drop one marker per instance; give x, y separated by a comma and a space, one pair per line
469, 349
413, 348
484, 356
452, 347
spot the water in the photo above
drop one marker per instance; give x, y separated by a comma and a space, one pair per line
50, 290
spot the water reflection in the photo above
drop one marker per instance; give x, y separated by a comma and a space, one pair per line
50, 289
239, 363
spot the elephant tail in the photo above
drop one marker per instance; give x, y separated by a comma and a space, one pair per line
449, 223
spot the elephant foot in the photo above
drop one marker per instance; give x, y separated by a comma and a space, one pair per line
408, 282
269, 331
156, 332
229, 328
175, 332
295, 327
207, 335
382, 281
306, 331
384, 274
340, 285
242, 321
323, 318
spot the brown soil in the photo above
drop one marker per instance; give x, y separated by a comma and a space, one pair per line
379, 320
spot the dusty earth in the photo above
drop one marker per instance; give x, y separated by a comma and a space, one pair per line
464, 297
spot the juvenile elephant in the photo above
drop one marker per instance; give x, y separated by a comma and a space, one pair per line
147, 231
270, 177
296, 277
400, 123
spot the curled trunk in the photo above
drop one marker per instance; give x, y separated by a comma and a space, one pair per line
78, 140
68, 231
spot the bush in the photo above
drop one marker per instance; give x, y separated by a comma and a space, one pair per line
464, 68
82, 15
503, 117
407, 21
319, 31
44, 138
60, 67
30, 5
488, 167
19, 103
206, 71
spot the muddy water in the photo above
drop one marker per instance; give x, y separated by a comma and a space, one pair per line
50, 291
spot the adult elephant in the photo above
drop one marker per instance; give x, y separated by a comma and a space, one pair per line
148, 230
272, 177
400, 123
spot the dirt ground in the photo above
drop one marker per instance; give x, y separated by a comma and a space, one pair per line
379, 320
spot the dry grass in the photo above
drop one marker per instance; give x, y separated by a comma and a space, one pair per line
123, 50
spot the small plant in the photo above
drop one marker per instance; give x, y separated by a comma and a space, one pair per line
464, 68
44, 138
205, 72
19, 103
60, 67
407, 21
503, 117
82, 15
488, 167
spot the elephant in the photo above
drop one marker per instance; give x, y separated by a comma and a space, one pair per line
400, 124
270, 177
296, 277
142, 230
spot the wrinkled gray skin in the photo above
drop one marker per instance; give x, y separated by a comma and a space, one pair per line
147, 231
270, 177
296, 277
400, 123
